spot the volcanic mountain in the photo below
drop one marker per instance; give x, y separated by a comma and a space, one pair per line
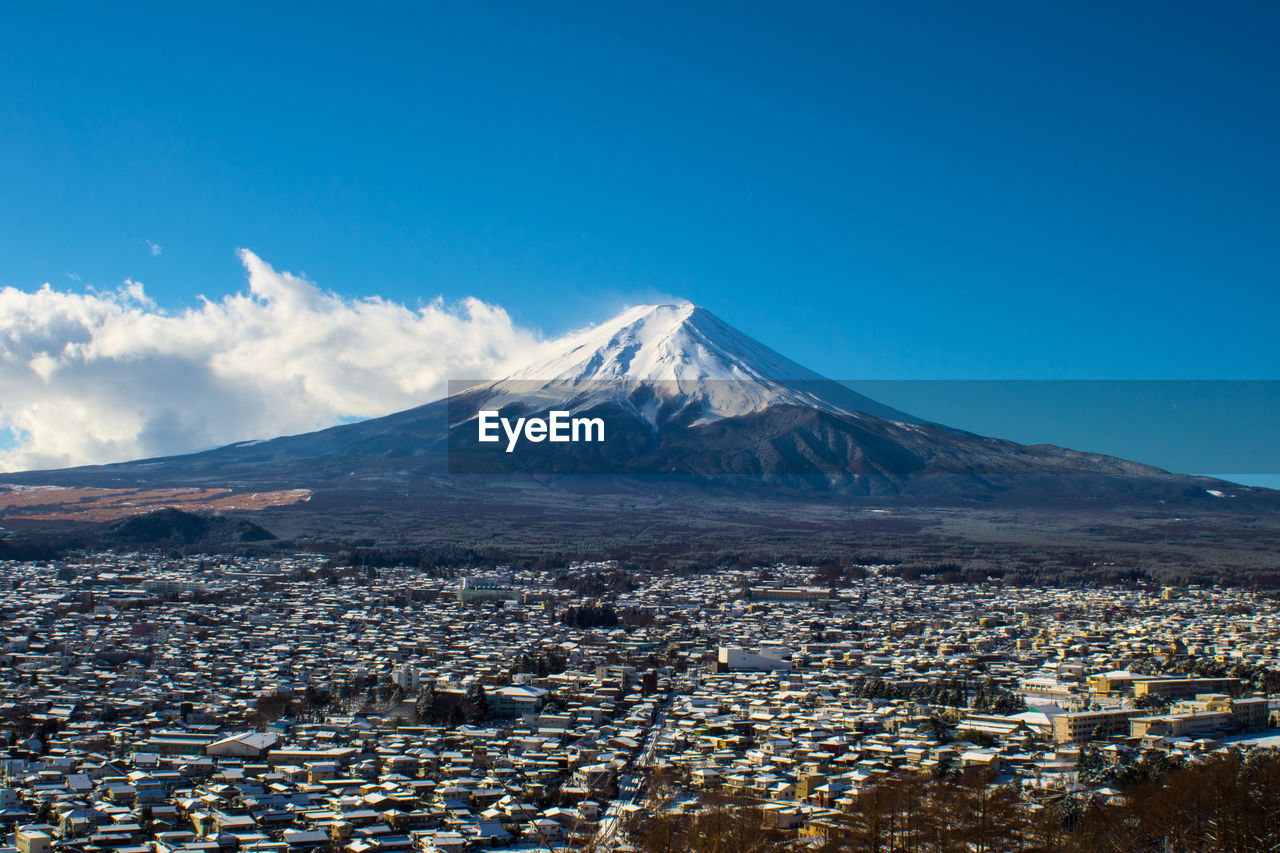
689, 404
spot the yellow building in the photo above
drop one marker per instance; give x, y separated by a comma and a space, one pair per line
1084, 726
1169, 687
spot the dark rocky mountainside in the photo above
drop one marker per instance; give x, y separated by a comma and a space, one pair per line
175, 527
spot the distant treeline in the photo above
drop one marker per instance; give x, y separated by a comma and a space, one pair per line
32, 549
1071, 573
679, 562
839, 569
177, 534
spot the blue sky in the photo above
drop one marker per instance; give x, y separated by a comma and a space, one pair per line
897, 190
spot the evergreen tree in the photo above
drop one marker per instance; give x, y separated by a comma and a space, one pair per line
478, 703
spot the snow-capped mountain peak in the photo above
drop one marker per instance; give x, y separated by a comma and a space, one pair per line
683, 356
661, 342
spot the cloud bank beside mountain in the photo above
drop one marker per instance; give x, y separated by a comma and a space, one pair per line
102, 377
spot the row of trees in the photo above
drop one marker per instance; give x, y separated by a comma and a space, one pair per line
543, 663
448, 708
1096, 770
1227, 804
986, 696
590, 616
1254, 676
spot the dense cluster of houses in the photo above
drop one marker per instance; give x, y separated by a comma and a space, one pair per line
818, 695
157, 705
161, 705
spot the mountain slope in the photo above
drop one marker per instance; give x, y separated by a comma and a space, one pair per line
688, 401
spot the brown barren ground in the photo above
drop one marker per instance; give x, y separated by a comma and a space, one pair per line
56, 503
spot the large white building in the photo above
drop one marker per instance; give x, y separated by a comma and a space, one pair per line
772, 659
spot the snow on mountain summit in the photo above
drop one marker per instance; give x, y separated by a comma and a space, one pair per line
683, 356
662, 342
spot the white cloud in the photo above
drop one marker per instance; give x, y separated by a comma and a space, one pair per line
103, 377
154, 248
